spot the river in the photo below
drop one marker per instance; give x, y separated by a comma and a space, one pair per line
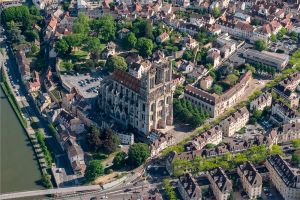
19, 170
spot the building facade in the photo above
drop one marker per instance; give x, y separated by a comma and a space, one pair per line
235, 122
143, 103
251, 179
285, 178
188, 187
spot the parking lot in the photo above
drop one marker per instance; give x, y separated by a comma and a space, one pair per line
86, 84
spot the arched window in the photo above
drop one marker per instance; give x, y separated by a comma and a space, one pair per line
152, 107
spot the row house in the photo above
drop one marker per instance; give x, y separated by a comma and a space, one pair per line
211, 136
289, 97
292, 81
285, 178
261, 102
71, 122
282, 114
251, 179
163, 141
201, 20
235, 122
189, 188
216, 104
221, 185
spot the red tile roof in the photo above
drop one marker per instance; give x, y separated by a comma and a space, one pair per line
127, 80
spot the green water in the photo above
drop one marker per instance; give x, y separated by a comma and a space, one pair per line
19, 170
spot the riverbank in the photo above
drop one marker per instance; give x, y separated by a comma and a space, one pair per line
30, 131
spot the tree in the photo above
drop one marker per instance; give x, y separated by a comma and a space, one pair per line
119, 160
109, 141
248, 67
296, 157
294, 36
145, 46
31, 35
296, 143
94, 169
130, 41
62, 47
138, 153
116, 62
276, 150
273, 37
231, 79
81, 24
143, 28
46, 180
93, 139
74, 40
260, 45
216, 12
217, 89
93, 44
105, 27
187, 55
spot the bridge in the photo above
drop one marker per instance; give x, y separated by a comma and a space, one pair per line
56, 191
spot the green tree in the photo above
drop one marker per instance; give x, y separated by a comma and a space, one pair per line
294, 36
187, 55
296, 157
109, 141
296, 143
31, 35
116, 62
273, 38
81, 24
94, 169
62, 47
105, 27
260, 45
276, 149
74, 40
249, 67
217, 89
145, 46
119, 160
216, 12
130, 41
137, 154
143, 28
231, 79
46, 180
93, 44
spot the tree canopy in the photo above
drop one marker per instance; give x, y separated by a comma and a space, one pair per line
116, 62
145, 46
130, 41
137, 154
119, 160
81, 24
260, 45
104, 27
94, 169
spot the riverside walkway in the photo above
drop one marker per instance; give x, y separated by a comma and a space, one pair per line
56, 191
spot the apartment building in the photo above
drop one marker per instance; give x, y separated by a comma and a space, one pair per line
211, 136
267, 58
162, 142
188, 187
220, 183
215, 104
285, 178
235, 122
251, 179
282, 114
141, 102
287, 132
262, 101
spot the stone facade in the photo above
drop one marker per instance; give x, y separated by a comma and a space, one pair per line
235, 122
251, 179
188, 187
143, 103
215, 104
220, 183
262, 101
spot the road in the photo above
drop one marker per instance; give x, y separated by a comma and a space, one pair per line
48, 191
